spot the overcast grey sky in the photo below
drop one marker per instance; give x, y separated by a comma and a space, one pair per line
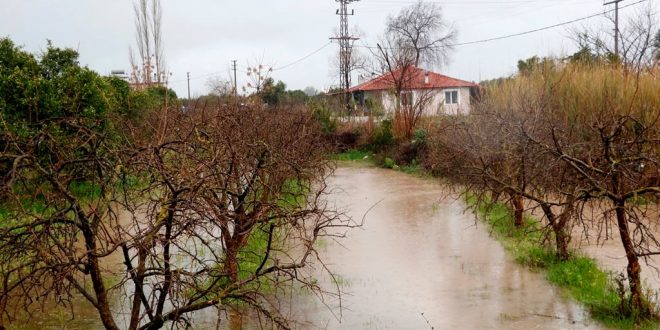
203, 36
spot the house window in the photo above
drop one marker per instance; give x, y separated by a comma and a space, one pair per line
406, 99
451, 97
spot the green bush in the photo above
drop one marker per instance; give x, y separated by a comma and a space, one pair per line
389, 163
420, 136
382, 136
323, 115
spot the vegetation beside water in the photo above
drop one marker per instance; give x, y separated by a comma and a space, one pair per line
598, 290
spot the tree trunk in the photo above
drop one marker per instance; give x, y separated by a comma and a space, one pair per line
103, 304
634, 269
558, 228
231, 259
518, 211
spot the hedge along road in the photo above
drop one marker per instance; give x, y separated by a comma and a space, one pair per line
421, 253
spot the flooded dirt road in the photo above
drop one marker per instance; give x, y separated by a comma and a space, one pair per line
419, 253
418, 262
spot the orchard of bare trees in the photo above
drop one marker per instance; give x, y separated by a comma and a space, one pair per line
173, 212
578, 143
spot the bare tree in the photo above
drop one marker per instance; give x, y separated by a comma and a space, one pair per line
635, 40
205, 208
149, 68
398, 70
421, 28
609, 140
220, 87
257, 75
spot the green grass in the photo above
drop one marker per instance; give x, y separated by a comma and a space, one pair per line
353, 155
416, 170
580, 276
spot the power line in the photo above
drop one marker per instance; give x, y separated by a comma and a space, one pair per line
274, 69
444, 3
519, 33
302, 58
450, 45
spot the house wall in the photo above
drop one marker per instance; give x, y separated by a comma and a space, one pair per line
436, 106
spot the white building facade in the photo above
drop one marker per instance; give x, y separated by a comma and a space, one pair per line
433, 93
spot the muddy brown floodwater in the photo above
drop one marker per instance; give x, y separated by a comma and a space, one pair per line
418, 262
421, 253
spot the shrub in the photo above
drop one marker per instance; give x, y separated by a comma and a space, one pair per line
382, 136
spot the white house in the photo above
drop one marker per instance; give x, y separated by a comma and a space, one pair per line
434, 93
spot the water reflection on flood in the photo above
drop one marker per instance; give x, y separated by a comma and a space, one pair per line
419, 253
418, 262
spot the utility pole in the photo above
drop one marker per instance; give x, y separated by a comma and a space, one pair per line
235, 81
188, 74
345, 47
616, 24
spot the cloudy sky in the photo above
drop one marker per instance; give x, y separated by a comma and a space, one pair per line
203, 36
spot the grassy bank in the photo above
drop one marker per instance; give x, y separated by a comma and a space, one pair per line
368, 158
353, 156
580, 276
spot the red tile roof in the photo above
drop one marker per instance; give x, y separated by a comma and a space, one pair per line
414, 80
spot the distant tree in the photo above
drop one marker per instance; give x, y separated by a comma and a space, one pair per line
257, 76
533, 63
334, 90
636, 40
296, 96
272, 93
220, 87
311, 91
417, 35
525, 66
149, 66
398, 69
422, 28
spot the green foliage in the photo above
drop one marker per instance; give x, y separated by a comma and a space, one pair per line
53, 98
382, 136
297, 96
415, 169
374, 106
323, 114
420, 137
389, 163
335, 90
142, 102
353, 155
272, 93
85, 189
586, 56
119, 93
533, 63
35, 90
276, 93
